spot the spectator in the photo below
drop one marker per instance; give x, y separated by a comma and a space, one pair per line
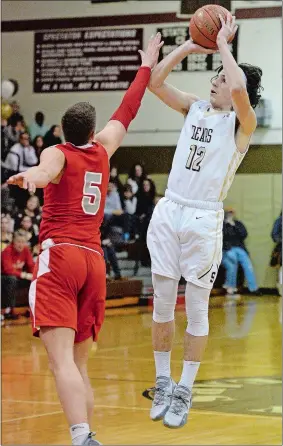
37, 128
111, 258
17, 266
4, 139
15, 113
21, 156
113, 202
38, 144
277, 230
6, 232
27, 230
114, 214
53, 136
7, 202
109, 253
146, 198
136, 176
32, 210
130, 200
235, 253
114, 178
276, 257
13, 130
130, 203
145, 206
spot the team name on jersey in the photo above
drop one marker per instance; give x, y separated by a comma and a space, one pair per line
202, 134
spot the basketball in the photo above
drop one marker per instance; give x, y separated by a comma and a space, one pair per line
205, 25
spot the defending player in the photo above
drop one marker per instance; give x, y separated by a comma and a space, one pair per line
67, 295
185, 233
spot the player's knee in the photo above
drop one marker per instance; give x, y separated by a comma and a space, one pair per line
60, 366
197, 300
198, 328
163, 311
165, 295
59, 363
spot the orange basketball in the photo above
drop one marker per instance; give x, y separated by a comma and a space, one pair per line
205, 25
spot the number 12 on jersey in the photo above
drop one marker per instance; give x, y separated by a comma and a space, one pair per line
195, 158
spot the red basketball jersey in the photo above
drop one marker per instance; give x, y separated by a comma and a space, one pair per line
73, 209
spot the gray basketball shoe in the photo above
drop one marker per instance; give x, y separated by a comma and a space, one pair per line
177, 414
90, 441
164, 388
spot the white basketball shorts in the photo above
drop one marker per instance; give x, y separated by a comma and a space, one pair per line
185, 241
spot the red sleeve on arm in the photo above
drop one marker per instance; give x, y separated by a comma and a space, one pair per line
7, 264
131, 102
29, 261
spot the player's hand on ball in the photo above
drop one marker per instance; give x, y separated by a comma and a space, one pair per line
150, 56
195, 48
21, 180
228, 28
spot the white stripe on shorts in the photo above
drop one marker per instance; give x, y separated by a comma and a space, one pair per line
43, 268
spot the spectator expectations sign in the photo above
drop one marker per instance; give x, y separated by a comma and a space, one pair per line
175, 36
86, 59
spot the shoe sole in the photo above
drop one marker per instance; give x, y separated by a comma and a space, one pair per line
183, 422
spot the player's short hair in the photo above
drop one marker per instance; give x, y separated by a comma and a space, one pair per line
253, 75
78, 122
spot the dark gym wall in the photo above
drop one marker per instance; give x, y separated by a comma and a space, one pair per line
259, 159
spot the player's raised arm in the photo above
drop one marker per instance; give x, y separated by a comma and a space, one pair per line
171, 96
114, 132
235, 78
52, 161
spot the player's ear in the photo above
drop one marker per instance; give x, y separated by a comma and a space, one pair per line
91, 136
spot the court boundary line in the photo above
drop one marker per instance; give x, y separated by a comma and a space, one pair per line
179, 361
29, 417
97, 378
104, 406
145, 344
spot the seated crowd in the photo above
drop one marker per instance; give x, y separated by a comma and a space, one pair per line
128, 210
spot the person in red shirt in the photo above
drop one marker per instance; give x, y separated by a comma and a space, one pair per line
67, 294
16, 265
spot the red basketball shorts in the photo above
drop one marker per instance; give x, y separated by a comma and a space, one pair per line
69, 290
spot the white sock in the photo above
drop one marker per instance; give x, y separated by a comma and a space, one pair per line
162, 363
79, 433
189, 373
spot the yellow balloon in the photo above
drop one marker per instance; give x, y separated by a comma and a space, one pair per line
6, 110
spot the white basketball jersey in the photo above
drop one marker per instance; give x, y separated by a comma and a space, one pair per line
206, 158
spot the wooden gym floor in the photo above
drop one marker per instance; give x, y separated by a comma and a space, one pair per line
237, 398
